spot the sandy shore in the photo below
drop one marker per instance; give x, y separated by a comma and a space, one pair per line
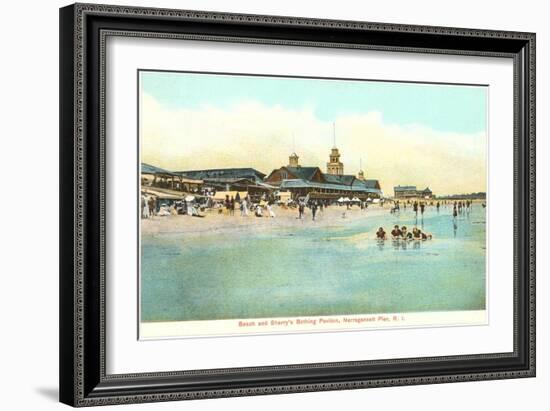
222, 223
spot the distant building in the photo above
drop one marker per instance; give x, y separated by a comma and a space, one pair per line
295, 179
411, 192
405, 192
224, 173
426, 193
157, 177
231, 179
311, 181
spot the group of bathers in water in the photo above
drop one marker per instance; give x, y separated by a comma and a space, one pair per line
403, 234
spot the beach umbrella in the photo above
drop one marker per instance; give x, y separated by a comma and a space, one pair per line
346, 200
355, 200
341, 200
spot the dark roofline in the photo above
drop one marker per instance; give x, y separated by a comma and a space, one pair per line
208, 170
329, 178
340, 177
156, 170
303, 171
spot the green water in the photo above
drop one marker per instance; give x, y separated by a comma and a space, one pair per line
312, 270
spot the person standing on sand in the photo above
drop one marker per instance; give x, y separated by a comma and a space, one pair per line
422, 208
245, 206
270, 210
301, 207
314, 209
232, 206
152, 206
143, 205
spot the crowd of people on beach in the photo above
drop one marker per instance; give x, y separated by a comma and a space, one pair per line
416, 206
267, 205
152, 207
246, 205
264, 206
461, 207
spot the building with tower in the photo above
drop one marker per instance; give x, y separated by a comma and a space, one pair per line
361, 173
293, 160
308, 181
335, 166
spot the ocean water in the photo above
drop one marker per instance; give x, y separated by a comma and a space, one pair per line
317, 270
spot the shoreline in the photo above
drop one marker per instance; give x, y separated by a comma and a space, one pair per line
284, 218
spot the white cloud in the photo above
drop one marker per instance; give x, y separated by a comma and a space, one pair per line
251, 134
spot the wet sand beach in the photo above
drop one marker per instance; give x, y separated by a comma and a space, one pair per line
215, 222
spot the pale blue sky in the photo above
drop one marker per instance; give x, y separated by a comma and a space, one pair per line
447, 108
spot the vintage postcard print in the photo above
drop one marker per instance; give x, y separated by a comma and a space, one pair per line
288, 204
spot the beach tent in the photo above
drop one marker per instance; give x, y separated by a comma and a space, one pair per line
355, 200
376, 201
341, 200
369, 200
189, 198
346, 200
